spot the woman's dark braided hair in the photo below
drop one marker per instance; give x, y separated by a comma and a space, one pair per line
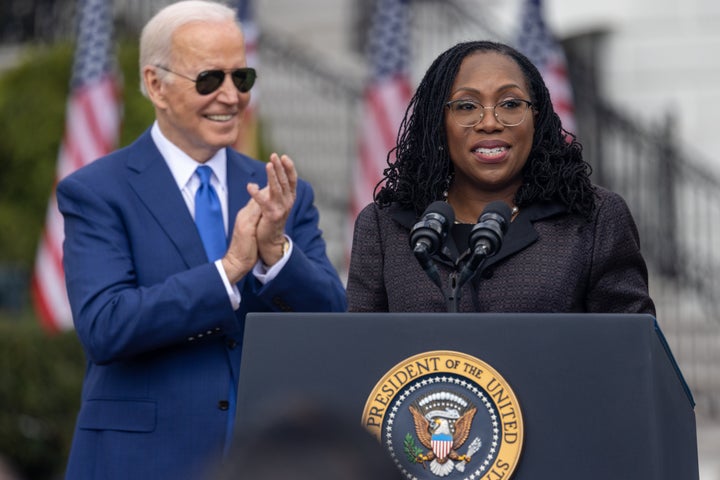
555, 169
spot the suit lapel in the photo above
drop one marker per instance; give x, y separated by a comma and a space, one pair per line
238, 176
151, 179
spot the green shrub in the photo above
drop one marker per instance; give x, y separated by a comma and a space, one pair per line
32, 108
40, 382
41, 375
33, 98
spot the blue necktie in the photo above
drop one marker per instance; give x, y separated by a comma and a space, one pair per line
208, 216
209, 221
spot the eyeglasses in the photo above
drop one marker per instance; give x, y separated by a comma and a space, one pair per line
468, 113
210, 80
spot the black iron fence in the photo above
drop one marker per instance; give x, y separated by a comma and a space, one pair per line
675, 200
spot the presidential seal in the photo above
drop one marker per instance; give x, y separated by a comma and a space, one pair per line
445, 414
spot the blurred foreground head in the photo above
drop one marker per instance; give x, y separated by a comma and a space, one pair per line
307, 444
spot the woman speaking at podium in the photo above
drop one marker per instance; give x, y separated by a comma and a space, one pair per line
480, 129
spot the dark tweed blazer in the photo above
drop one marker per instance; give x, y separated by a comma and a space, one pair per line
550, 261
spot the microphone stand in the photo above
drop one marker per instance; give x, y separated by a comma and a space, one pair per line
452, 294
427, 265
485, 238
457, 281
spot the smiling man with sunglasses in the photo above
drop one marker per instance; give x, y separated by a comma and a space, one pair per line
169, 242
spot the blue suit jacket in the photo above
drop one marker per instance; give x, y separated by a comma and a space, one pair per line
162, 340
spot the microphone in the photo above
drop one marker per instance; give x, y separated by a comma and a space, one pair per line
486, 237
428, 234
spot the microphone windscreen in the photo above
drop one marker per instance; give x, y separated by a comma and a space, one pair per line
497, 207
442, 208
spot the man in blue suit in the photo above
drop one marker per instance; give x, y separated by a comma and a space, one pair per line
159, 315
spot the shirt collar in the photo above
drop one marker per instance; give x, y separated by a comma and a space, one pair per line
182, 166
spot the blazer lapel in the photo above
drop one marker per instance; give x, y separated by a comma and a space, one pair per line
154, 184
520, 234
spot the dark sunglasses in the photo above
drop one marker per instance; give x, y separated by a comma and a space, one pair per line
210, 80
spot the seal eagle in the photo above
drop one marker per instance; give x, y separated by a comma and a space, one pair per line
438, 437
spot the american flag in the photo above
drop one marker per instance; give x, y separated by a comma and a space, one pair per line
92, 121
386, 97
537, 43
248, 141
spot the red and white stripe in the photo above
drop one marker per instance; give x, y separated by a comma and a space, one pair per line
556, 78
91, 130
441, 448
386, 99
538, 43
385, 105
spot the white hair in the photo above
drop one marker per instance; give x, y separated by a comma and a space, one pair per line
156, 36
